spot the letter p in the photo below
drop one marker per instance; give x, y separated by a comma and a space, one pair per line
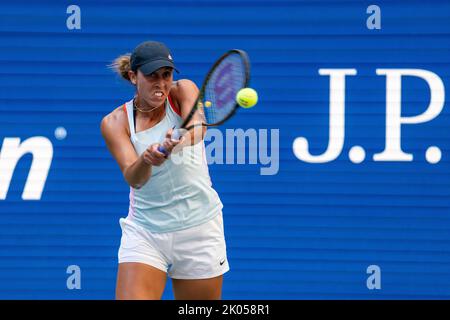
394, 119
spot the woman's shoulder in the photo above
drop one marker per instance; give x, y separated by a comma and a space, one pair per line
183, 88
116, 119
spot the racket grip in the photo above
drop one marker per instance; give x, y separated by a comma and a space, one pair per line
162, 149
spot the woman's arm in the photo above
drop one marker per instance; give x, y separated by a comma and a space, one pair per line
186, 95
135, 169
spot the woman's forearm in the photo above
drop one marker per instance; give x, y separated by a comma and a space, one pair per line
138, 173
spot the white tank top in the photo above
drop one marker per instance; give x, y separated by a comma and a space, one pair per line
179, 193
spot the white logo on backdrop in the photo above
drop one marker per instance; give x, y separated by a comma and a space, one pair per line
12, 150
394, 119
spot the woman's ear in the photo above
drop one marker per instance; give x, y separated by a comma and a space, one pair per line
132, 77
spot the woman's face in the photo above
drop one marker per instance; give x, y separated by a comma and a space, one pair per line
154, 88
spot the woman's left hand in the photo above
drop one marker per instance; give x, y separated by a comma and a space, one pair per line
169, 144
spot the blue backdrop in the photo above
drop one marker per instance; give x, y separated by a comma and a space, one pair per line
309, 231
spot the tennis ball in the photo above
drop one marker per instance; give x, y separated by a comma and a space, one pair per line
208, 104
247, 97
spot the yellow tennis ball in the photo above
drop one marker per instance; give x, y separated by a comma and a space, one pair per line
247, 97
208, 104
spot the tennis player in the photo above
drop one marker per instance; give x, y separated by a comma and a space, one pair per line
174, 225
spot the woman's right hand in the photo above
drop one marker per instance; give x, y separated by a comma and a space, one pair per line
152, 156
156, 158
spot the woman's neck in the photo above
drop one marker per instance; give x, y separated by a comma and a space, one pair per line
146, 111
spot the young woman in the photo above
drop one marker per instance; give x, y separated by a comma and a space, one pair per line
174, 225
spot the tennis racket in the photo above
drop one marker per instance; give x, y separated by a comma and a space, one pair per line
216, 101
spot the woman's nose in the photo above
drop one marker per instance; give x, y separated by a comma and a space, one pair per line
160, 82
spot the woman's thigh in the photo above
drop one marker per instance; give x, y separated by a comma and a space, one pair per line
139, 281
198, 289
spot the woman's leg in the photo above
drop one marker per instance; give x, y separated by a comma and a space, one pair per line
198, 289
139, 281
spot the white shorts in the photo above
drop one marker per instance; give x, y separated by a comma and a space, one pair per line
198, 252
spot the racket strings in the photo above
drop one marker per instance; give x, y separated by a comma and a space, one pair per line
226, 80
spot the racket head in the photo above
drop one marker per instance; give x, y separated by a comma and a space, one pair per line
229, 74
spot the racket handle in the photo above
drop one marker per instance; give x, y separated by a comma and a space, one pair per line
162, 149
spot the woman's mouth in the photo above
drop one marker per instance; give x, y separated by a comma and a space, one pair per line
158, 94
